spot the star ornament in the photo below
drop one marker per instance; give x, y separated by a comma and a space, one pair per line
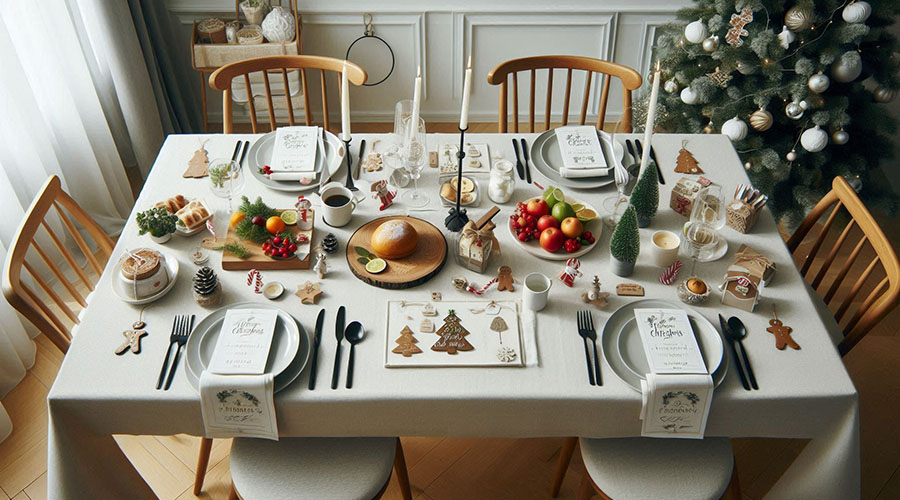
309, 293
720, 77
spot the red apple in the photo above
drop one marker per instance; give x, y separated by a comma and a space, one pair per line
537, 208
552, 239
547, 221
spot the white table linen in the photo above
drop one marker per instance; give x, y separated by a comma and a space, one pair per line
803, 394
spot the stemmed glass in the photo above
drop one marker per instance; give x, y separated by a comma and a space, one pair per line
709, 207
707, 218
225, 179
412, 154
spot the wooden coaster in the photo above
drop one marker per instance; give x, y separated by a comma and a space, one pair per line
629, 290
413, 270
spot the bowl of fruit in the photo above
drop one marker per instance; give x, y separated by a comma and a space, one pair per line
555, 227
282, 247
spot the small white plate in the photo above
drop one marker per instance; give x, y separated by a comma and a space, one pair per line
273, 290
119, 287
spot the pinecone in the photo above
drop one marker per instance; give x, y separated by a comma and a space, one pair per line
207, 291
330, 243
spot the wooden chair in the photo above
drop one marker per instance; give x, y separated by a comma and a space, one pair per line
54, 316
221, 80
884, 296
630, 78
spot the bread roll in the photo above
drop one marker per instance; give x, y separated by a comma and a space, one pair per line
173, 204
394, 239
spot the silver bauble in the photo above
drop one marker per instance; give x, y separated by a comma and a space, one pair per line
688, 96
735, 129
819, 83
814, 139
710, 44
793, 110
883, 94
670, 86
857, 12
761, 120
847, 68
745, 68
791, 156
798, 18
786, 37
840, 137
695, 32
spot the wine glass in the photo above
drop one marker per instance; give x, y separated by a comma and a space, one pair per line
412, 154
709, 207
225, 179
700, 241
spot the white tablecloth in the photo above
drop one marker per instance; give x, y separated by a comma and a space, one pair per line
803, 394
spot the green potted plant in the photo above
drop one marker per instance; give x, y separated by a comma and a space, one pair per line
158, 222
625, 244
645, 196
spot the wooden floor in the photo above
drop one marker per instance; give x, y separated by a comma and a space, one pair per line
471, 469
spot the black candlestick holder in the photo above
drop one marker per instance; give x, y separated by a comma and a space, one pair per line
349, 185
458, 218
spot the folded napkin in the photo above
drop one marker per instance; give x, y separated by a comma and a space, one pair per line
238, 405
577, 173
294, 176
675, 405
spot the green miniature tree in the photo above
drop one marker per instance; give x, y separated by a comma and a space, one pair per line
626, 241
156, 221
645, 196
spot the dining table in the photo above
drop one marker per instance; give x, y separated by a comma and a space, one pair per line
803, 394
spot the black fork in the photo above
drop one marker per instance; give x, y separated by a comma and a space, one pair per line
583, 330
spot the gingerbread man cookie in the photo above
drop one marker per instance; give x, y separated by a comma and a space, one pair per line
132, 339
505, 279
782, 334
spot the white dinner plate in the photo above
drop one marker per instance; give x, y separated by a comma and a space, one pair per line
119, 287
533, 246
326, 165
287, 345
624, 352
547, 160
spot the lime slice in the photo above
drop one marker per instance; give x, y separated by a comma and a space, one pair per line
375, 266
553, 195
585, 214
577, 207
290, 217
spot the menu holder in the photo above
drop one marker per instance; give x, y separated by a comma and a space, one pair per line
669, 341
579, 147
244, 342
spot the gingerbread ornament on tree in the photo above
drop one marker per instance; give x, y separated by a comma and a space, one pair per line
406, 343
453, 336
686, 163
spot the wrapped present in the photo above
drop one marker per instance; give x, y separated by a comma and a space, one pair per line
476, 244
684, 193
740, 216
754, 263
745, 277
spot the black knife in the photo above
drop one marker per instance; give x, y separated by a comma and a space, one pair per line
339, 335
359, 159
244, 153
634, 158
317, 338
734, 353
237, 149
519, 168
527, 168
640, 149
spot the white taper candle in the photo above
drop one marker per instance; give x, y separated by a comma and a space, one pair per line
651, 118
467, 89
345, 104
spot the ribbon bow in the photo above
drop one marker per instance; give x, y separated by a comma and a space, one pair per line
479, 235
753, 261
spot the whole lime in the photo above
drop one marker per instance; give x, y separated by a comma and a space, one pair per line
561, 210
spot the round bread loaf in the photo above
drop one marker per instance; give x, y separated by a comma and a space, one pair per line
394, 239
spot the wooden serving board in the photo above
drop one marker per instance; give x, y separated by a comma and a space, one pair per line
259, 260
421, 266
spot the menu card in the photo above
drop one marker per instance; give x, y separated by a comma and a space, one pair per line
579, 147
295, 149
669, 341
244, 342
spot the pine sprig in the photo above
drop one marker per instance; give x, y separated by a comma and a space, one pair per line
246, 229
236, 249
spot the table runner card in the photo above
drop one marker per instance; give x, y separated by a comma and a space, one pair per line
675, 405
244, 342
579, 147
295, 149
238, 405
669, 341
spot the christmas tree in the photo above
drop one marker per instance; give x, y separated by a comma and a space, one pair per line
645, 195
453, 336
808, 76
625, 243
406, 343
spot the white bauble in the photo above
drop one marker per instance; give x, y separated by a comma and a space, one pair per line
814, 139
695, 32
710, 44
819, 83
847, 68
840, 137
791, 156
735, 129
786, 37
883, 94
688, 96
670, 86
278, 26
798, 18
857, 12
761, 120
794, 110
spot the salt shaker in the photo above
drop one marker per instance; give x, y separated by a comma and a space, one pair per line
503, 182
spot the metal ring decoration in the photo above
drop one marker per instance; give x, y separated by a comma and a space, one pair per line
370, 33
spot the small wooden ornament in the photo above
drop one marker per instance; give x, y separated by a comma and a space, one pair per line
433, 159
427, 326
629, 290
781, 332
309, 293
453, 336
594, 296
506, 354
198, 165
686, 163
132, 338
499, 325
406, 343
436, 296
429, 310
505, 279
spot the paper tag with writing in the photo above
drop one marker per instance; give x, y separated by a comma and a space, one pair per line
579, 147
238, 405
675, 405
669, 341
294, 149
244, 342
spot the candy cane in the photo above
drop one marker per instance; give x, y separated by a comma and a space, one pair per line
255, 276
670, 273
211, 229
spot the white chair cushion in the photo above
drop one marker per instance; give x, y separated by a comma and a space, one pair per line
654, 468
311, 468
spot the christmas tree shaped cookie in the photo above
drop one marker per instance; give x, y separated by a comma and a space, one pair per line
453, 336
686, 163
406, 343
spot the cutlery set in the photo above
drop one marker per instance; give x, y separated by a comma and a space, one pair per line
237, 149
354, 333
637, 152
181, 330
522, 168
734, 332
586, 331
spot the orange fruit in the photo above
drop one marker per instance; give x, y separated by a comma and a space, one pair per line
571, 227
236, 217
275, 224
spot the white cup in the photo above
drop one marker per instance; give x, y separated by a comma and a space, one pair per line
535, 291
664, 248
337, 215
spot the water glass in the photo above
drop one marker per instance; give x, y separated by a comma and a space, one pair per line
700, 241
709, 207
225, 179
413, 155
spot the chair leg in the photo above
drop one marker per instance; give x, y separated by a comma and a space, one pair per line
734, 487
233, 494
402, 472
202, 464
586, 490
562, 464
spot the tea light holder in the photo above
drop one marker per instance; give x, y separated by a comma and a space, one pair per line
457, 218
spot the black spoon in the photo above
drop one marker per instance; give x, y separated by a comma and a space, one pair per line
738, 331
354, 334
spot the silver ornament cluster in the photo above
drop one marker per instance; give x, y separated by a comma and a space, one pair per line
795, 109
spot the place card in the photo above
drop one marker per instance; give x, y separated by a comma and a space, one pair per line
579, 147
295, 149
669, 341
244, 342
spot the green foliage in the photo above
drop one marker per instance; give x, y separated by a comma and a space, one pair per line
645, 196
246, 229
236, 249
156, 221
625, 243
778, 76
217, 175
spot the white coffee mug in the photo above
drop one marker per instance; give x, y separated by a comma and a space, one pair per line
664, 248
338, 204
535, 291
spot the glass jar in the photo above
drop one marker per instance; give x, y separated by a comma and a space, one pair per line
503, 181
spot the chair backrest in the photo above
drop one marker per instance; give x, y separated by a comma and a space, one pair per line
881, 297
35, 307
630, 78
222, 77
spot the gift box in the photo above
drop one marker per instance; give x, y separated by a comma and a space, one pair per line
683, 195
740, 216
745, 276
476, 244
